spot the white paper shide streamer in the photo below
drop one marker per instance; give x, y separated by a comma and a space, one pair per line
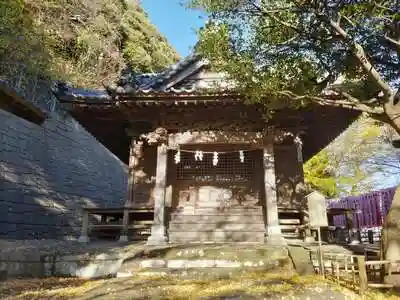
178, 157
241, 156
215, 159
199, 155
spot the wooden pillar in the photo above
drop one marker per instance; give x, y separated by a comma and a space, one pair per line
135, 154
308, 238
273, 230
158, 230
84, 238
349, 224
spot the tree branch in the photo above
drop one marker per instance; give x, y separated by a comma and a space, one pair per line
384, 7
272, 16
393, 41
362, 58
350, 102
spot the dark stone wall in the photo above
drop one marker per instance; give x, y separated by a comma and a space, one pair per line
49, 172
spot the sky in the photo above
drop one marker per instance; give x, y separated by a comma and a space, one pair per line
177, 23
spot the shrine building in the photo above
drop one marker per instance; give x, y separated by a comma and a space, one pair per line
212, 167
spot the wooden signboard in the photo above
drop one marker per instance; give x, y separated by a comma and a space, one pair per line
318, 218
317, 210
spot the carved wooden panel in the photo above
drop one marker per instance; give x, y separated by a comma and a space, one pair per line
214, 137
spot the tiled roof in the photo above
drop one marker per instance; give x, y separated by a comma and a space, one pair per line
153, 83
64, 93
144, 84
168, 73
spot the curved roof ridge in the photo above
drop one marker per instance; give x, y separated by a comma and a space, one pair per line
170, 71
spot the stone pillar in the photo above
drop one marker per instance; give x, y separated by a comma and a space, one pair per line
135, 153
273, 230
158, 230
84, 238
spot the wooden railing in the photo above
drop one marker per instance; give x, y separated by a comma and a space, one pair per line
117, 221
354, 271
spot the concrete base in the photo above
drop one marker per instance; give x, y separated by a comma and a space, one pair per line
309, 239
158, 236
274, 236
355, 242
157, 241
275, 240
123, 238
84, 239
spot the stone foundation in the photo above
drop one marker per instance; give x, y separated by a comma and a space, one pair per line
240, 224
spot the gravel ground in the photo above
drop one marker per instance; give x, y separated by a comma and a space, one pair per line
239, 286
246, 285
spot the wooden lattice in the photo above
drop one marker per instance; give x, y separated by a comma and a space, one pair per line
229, 169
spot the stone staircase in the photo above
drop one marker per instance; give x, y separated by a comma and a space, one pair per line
215, 225
290, 221
207, 259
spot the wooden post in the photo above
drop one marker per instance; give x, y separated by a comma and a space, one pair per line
337, 270
320, 255
135, 154
84, 238
353, 269
308, 238
389, 276
362, 274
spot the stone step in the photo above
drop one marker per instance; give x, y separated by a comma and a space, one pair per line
289, 210
214, 225
193, 273
181, 218
216, 236
291, 235
291, 227
196, 263
289, 221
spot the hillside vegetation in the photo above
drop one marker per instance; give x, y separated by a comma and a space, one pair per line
85, 42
